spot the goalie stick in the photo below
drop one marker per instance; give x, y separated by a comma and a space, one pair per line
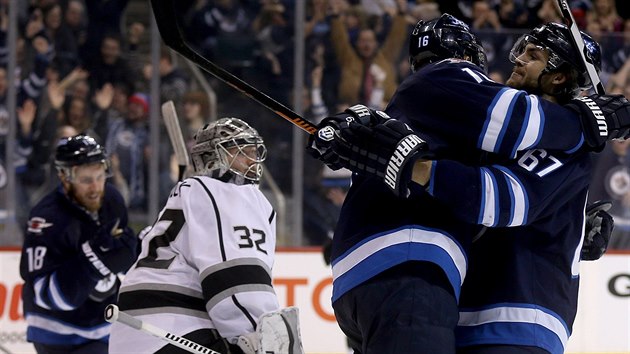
166, 15
578, 44
113, 314
169, 114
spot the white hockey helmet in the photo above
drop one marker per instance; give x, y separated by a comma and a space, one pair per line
217, 149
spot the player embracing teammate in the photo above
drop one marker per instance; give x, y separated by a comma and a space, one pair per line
469, 239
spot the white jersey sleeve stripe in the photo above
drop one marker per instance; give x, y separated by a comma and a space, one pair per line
518, 197
534, 121
38, 285
488, 215
498, 113
56, 296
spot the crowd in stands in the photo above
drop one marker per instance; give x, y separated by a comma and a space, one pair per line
84, 67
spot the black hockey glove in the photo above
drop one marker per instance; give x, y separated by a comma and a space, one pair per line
599, 226
603, 118
387, 151
324, 144
112, 250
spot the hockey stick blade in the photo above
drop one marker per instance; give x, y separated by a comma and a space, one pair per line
578, 43
166, 16
169, 114
113, 314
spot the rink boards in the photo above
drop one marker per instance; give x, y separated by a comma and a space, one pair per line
301, 278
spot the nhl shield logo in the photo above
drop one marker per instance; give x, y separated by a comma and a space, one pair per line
37, 224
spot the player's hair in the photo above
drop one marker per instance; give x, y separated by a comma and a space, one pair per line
211, 153
442, 38
79, 150
555, 39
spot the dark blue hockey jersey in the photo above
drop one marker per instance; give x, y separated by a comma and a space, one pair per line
455, 108
63, 301
522, 281
377, 231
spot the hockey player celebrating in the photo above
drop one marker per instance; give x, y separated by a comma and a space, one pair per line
399, 259
76, 243
204, 272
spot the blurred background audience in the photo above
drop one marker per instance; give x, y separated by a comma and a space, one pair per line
84, 66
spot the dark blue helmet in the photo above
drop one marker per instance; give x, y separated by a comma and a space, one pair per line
555, 38
78, 150
442, 38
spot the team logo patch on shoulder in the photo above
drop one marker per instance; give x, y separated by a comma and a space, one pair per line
37, 224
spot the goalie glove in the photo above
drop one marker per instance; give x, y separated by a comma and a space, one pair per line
599, 226
387, 151
277, 332
325, 144
603, 118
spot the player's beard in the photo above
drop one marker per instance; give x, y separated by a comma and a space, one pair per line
91, 201
521, 82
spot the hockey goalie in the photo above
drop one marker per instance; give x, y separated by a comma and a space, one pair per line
204, 272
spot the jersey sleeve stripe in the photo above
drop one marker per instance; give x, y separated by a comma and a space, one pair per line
39, 290
498, 115
225, 282
232, 263
488, 208
56, 296
534, 120
518, 198
162, 287
162, 299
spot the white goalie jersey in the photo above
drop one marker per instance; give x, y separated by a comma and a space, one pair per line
205, 264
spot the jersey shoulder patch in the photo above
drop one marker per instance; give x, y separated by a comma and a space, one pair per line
36, 224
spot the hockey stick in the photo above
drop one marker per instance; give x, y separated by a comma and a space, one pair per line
175, 135
113, 314
166, 17
578, 43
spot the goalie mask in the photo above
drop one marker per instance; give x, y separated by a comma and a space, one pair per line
230, 150
442, 38
554, 38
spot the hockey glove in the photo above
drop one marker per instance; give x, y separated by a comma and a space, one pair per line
387, 151
113, 250
324, 144
603, 118
277, 332
599, 226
